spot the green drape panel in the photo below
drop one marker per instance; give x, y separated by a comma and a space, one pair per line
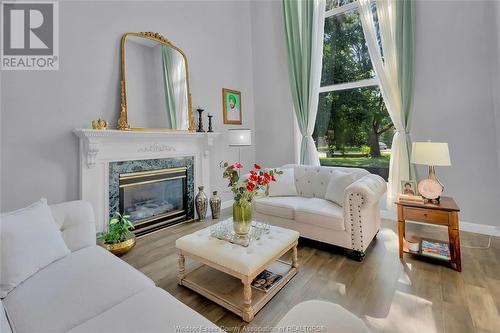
405, 53
168, 86
299, 17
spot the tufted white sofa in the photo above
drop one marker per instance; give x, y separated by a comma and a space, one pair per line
91, 290
352, 226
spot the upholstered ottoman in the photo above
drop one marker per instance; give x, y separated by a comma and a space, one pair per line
321, 316
227, 266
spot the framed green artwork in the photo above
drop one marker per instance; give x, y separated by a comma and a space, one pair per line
231, 106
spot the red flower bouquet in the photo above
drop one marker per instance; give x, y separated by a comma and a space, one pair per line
244, 189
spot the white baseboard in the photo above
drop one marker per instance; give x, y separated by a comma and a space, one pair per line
483, 229
477, 228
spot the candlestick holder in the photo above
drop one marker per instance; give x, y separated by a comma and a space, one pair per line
200, 120
210, 129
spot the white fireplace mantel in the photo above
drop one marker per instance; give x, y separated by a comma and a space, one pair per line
100, 147
94, 139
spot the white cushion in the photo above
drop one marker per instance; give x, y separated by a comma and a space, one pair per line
330, 317
76, 222
244, 260
284, 184
321, 213
30, 240
152, 310
73, 290
338, 183
312, 181
278, 206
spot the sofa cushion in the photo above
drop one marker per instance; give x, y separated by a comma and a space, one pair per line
312, 181
30, 240
72, 290
278, 206
159, 312
339, 181
284, 184
76, 222
321, 213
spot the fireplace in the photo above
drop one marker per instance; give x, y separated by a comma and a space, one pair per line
155, 193
154, 199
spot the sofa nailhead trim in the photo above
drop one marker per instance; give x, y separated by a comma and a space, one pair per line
351, 208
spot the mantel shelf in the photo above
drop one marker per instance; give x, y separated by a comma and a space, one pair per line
93, 140
116, 134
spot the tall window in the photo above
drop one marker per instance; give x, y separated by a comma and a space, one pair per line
353, 127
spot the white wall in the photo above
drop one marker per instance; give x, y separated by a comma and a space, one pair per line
456, 64
40, 109
274, 119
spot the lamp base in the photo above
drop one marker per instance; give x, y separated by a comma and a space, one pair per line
431, 188
432, 175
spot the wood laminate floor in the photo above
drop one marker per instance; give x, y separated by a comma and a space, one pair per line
390, 296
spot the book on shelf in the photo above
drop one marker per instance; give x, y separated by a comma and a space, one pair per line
265, 280
435, 249
411, 198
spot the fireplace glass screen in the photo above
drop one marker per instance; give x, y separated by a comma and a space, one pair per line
154, 198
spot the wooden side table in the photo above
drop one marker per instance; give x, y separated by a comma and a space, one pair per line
445, 213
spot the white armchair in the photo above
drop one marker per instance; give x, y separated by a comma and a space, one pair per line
351, 226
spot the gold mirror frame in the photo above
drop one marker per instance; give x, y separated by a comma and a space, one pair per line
123, 124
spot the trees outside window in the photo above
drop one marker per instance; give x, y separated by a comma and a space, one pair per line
353, 127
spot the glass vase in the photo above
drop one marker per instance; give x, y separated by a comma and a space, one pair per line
242, 218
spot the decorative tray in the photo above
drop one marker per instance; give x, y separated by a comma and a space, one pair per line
224, 231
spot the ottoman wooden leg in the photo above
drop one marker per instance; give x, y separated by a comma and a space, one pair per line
247, 301
182, 268
295, 259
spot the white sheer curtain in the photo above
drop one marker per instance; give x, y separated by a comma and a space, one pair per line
386, 71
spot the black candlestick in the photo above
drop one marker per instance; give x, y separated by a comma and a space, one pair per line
200, 120
210, 123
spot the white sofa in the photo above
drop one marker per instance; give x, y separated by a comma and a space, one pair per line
91, 290
352, 226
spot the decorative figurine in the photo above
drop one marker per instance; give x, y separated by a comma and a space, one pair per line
99, 124
210, 130
201, 203
200, 120
215, 202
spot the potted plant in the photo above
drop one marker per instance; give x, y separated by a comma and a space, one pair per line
118, 239
244, 190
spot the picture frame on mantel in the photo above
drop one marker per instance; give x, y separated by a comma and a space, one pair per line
231, 107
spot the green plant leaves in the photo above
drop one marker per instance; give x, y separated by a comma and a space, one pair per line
118, 229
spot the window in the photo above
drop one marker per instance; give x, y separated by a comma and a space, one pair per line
353, 127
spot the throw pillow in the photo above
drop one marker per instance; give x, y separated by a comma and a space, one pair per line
336, 187
30, 240
284, 185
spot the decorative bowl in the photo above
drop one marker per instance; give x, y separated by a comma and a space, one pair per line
121, 248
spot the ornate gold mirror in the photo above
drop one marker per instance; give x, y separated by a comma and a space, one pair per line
155, 94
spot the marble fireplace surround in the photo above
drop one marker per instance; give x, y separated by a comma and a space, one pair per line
100, 147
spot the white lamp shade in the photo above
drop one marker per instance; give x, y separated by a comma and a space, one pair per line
430, 153
240, 137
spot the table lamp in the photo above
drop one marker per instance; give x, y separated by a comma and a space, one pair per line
431, 154
240, 138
